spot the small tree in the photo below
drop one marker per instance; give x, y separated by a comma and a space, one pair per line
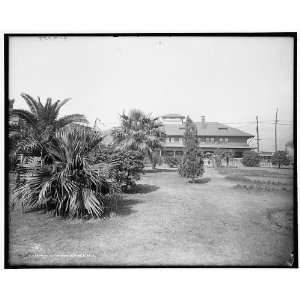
280, 158
250, 159
192, 162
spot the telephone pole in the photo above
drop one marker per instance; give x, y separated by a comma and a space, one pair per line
276, 121
257, 135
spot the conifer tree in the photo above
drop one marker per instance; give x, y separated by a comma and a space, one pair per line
192, 163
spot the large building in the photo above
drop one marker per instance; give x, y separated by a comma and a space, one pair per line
211, 135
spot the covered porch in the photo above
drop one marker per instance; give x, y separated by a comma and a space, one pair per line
174, 152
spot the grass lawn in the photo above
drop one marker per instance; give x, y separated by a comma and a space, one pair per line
260, 179
166, 220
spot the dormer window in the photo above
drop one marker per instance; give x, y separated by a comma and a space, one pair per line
223, 128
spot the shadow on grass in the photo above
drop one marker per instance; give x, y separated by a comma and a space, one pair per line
200, 180
125, 207
143, 189
160, 170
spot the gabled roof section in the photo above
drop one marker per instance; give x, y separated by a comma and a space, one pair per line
209, 129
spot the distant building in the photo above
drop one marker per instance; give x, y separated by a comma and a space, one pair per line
211, 135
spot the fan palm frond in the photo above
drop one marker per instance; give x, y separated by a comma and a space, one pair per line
31, 102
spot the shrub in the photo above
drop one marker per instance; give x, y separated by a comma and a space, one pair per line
126, 166
280, 158
172, 161
250, 159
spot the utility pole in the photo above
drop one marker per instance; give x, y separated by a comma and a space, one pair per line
276, 121
257, 135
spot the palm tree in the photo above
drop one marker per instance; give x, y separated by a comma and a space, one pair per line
43, 116
71, 185
139, 132
40, 123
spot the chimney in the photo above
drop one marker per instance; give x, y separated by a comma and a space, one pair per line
203, 124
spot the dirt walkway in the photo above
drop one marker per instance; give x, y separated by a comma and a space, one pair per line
166, 221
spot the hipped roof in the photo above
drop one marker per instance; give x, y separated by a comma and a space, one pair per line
209, 129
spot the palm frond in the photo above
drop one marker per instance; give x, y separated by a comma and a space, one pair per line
31, 102
61, 103
75, 118
26, 116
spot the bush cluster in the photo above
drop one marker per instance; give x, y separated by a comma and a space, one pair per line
250, 159
127, 166
172, 161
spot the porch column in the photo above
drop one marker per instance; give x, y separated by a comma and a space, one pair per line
159, 153
174, 153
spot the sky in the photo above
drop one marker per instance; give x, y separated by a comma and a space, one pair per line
228, 79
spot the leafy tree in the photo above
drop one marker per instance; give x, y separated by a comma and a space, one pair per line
68, 183
139, 132
192, 162
250, 159
280, 158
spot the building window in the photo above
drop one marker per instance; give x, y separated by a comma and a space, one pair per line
221, 140
212, 140
207, 140
226, 140
176, 139
170, 140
